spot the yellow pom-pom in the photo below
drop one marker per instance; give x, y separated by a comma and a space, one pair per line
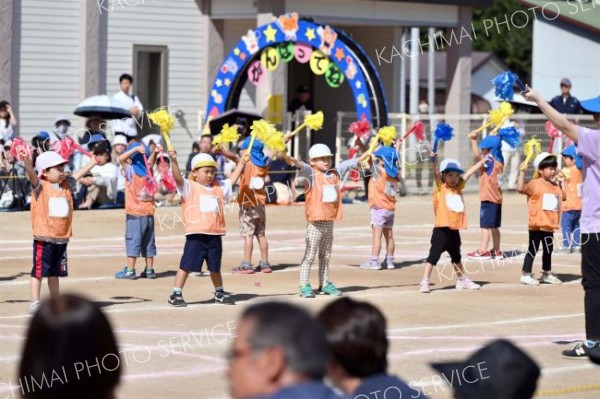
228, 135
387, 135
163, 119
506, 109
262, 129
532, 148
275, 142
314, 121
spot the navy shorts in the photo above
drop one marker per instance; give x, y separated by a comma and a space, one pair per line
139, 236
490, 215
201, 247
49, 260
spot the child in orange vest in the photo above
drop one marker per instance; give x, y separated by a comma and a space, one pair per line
545, 192
251, 200
51, 218
490, 195
202, 204
571, 210
450, 217
139, 212
383, 187
322, 206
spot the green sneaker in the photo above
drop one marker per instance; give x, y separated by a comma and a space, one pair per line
329, 289
306, 291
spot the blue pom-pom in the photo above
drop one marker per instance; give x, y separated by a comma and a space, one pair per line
443, 132
504, 84
510, 136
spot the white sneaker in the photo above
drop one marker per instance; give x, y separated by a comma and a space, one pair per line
424, 287
529, 279
371, 265
550, 278
33, 307
466, 284
389, 263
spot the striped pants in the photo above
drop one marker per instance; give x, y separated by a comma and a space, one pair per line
319, 238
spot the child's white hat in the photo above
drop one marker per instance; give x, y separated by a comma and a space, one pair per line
202, 160
47, 160
120, 139
318, 151
540, 157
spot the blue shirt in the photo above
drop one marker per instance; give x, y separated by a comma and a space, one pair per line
305, 390
569, 106
385, 386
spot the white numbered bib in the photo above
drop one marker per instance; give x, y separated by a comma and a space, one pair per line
257, 183
330, 194
580, 190
455, 203
58, 207
209, 203
550, 202
391, 188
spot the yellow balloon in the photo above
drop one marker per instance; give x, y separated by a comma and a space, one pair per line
319, 62
270, 58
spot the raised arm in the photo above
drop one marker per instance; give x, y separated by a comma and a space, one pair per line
175, 168
124, 157
557, 119
29, 169
474, 146
436, 169
473, 169
86, 168
521, 179
237, 172
227, 154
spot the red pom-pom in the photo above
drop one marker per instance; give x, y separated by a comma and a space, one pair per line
418, 129
20, 147
361, 128
551, 130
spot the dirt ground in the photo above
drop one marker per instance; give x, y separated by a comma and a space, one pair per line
178, 352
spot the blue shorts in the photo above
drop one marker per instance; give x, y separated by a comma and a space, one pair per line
201, 247
49, 260
139, 236
490, 215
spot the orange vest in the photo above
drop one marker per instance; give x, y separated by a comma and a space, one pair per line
574, 186
134, 205
52, 211
252, 186
543, 194
324, 198
449, 206
382, 191
203, 211
489, 188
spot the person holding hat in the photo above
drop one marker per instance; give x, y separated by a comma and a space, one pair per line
202, 203
383, 188
588, 147
573, 181
139, 211
565, 103
51, 218
499, 370
490, 195
450, 218
323, 206
545, 193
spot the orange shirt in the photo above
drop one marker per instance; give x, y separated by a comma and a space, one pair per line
489, 186
449, 206
252, 186
324, 197
203, 210
574, 187
544, 202
382, 191
136, 204
52, 211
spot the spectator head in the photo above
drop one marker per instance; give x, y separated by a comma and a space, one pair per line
65, 333
119, 144
102, 152
41, 142
498, 370
4, 109
94, 124
195, 146
206, 143
243, 128
303, 93
125, 82
565, 86
356, 333
545, 165
277, 345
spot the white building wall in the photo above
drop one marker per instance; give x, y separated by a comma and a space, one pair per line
234, 30
569, 55
49, 70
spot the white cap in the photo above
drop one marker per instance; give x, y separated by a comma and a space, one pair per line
47, 160
540, 157
120, 139
202, 160
318, 151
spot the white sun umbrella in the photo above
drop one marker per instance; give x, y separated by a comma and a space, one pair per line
102, 106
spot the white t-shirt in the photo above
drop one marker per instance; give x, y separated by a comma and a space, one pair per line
6, 132
126, 125
106, 176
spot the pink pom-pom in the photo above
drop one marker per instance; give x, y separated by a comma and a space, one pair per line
551, 130
361, 128
19, 148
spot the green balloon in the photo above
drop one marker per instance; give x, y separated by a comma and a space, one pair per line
334, 76
286, 50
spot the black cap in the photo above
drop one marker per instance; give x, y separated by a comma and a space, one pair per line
499, 370
303, 89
